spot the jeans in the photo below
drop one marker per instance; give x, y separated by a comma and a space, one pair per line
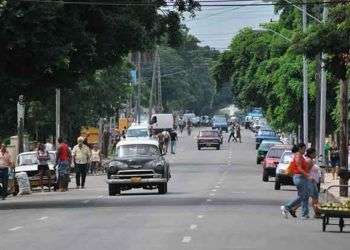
302, 185
173, 144
232, 135
4, 176
80, 173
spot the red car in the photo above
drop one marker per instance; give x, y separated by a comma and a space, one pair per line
209, 138
272, 159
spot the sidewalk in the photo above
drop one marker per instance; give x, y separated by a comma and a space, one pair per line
333, 192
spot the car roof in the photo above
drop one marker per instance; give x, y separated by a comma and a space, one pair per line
278, 146
271, 141
138, 141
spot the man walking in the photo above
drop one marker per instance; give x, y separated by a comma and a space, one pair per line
81, 156
232, 133
63, 162
173, 139
5, 164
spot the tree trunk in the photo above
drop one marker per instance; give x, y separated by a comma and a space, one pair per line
343, 136
318, 103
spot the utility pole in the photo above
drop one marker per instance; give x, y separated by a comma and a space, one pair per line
323, 96
305, 84
344, 95
153, 87
138, 105
20, 123
159, 87
58, 114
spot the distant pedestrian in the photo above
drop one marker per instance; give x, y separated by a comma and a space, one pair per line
173, 139
166, 141
335, 159
300, 171
327, 148
232, 134
63, 162
95, 160
43, 157
81, 157
5, 164
238, 133
48, 145
161, 138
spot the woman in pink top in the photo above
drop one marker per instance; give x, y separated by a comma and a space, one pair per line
5, 164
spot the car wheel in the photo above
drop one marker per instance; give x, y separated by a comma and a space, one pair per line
113, 189
265, 176
199, 147
277, 184
218, 147
163, 188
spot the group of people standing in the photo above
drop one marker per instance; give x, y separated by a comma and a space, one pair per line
306, 177
235, 132
165, 138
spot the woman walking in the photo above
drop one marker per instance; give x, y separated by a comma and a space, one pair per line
95, 160
300, 171
43, 165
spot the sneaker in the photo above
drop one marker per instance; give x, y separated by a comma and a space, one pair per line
284, 212
292, 213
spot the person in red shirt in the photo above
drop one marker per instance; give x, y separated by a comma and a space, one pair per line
63, 162
301, 179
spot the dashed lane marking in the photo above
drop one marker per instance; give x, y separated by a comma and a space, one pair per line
213, 190
193, 227
211, 194
186, 239
43, 218
86, 201
200, 216
208, 200
217, 186
15, 228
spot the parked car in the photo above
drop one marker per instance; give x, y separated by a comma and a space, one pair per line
195, 121
265, 135
272, 159
138, 164
264, 148
209, 138
282, 178
220, 122
28, 162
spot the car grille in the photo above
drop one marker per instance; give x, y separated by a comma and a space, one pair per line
126, 174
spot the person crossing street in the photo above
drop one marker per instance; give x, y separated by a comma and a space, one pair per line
81, 157
173, 139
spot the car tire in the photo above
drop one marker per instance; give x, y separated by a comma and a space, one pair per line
277, 184
218, 147
163, 188
199, 148
113, 189
265, 177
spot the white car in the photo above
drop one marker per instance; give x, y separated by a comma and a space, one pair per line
27, 162
282, 179
138, 131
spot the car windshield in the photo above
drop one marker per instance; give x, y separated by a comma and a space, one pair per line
266, 133
219, 119
287, 157
142, 132
275, 152
267, 145
31, 159
137, 150
208, 134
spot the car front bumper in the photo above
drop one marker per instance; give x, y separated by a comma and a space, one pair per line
271, 171
140, 181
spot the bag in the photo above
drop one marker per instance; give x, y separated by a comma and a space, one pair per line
289, 170
23, 183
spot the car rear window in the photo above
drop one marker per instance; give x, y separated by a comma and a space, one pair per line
287, 157
266, 146
208, 133
275, 152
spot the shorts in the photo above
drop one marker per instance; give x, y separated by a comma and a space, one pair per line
43, 168
314, 193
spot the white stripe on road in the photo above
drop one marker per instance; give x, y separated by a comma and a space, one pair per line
100, 196
43, 218
213, 190
208, 200
186, 239
200, 216
86, 202
217, 186
193, 227
15, 228
211, 194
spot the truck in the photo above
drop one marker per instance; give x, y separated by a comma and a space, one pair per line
161, 122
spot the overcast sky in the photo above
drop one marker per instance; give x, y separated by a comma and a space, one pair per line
215, 26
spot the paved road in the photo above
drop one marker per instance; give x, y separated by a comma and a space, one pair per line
216, 200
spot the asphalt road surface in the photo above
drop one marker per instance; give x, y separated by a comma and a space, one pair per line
216, 200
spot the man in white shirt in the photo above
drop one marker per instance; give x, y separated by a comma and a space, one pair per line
48, 145
81, 156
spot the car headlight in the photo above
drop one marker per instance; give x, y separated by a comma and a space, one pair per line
281, 171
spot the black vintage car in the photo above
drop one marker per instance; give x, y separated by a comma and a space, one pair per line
138, 164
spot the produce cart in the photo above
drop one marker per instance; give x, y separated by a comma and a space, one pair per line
331, 211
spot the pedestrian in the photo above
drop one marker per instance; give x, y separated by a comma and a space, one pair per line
166, 141
81, 157
5, 164
238, 133
173, 139
315, 178
160, 138
63, 162
327, 148
95, 159
43, 158
232, 134
335, 159
301, 177
49, 145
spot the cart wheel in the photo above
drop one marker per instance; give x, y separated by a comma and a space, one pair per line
324, 223
341, 224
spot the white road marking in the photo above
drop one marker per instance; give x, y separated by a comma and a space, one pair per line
211, 194
208, 200
43, 218
193, 227
15, 228
100, 196
200, 216
213, 190
186, 239
87, 201
217, 186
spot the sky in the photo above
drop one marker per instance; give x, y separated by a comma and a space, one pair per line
215, 26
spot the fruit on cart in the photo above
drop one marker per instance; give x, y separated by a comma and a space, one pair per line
335, 206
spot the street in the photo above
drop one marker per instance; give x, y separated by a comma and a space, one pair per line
216, 200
